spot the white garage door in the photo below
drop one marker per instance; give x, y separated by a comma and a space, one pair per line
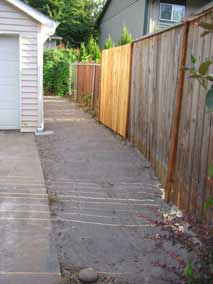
9, 82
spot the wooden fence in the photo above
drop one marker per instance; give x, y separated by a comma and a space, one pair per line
85, 84
115, 82
189, 187
153, 90
167, 116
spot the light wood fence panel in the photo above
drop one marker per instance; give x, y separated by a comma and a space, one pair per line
115, 81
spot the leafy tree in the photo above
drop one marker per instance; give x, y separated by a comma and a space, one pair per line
77, 17
52, 8
125, 37
79, 21
108, 43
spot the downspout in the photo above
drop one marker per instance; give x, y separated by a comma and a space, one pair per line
40, 83
46, 32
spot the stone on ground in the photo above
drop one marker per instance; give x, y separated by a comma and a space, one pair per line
88, 275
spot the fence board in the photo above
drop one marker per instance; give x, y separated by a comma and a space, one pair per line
115, 79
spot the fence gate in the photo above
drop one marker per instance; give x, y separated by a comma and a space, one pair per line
115, 82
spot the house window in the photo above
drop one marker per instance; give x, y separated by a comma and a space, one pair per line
171, 12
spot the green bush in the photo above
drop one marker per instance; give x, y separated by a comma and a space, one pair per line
108, 43
57, 70
91, 52
125, 37
84, 56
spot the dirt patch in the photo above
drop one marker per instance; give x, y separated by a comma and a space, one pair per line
108, 199
53, 199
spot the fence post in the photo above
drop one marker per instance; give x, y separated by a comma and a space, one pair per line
70, 79
130, 89
93, 87
99, 89
76, 80
177, 114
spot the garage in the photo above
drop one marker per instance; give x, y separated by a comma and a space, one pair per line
9, 82
23, 31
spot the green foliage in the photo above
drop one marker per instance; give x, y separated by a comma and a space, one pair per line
83, 56
52, 8
77, 17
209, 100
188, 272
79, 21
57, 70
87, 100
109, 43
209, 203
207, 26
125, 37
93, 50
211, 171
200, 73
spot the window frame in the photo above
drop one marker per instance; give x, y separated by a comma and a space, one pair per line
172, 5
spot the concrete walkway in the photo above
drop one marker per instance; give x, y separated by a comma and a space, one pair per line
27, 252
104, 197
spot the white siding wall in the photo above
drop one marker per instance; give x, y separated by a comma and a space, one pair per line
13, 20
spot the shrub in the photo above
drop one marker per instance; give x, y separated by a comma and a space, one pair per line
84, 56
108, 43
57, 70
125, 37
91, 52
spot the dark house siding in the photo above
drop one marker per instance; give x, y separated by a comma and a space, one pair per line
119, 13
139, 16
